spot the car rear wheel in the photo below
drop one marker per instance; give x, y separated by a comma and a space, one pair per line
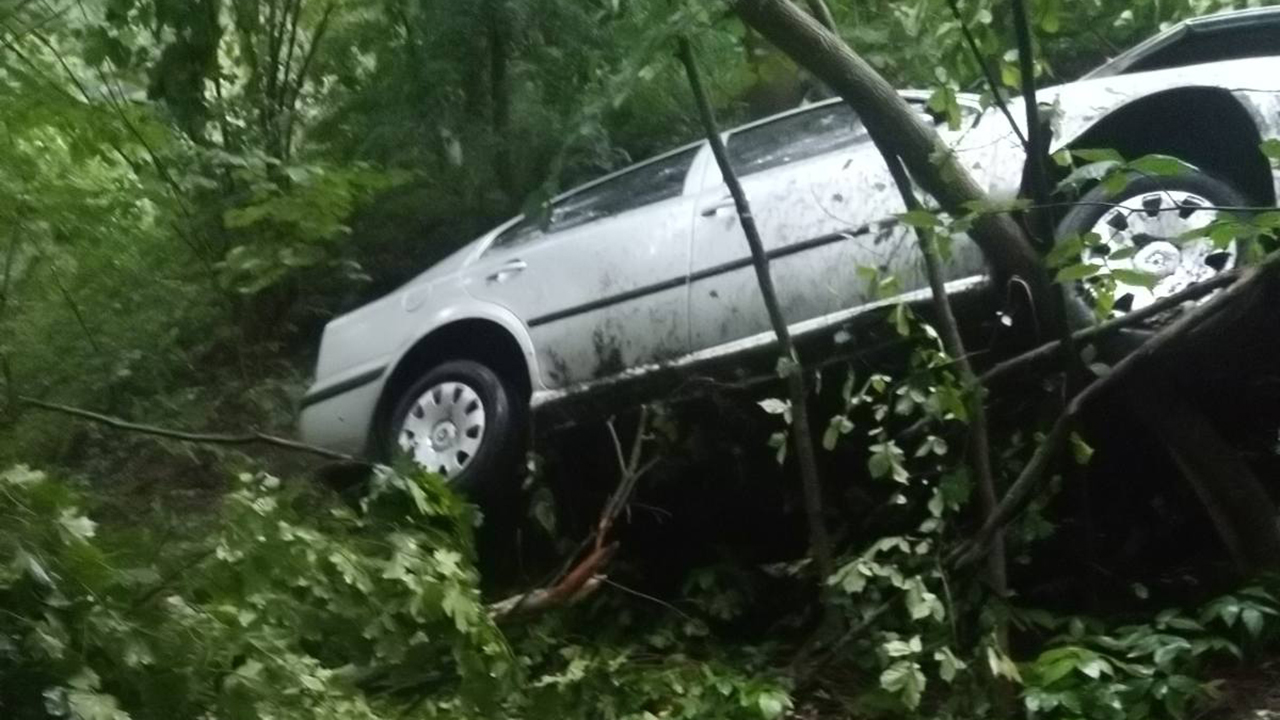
1148, 219
461, 420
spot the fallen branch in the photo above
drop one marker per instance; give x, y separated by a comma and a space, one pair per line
1128, 320
575, 582
1035, 474
249, 438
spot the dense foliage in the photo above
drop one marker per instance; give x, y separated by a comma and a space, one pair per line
190, 187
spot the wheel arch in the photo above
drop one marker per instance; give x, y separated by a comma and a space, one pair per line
486, 340
1205, 126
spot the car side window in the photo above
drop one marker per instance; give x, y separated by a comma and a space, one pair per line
650, 183
795, 137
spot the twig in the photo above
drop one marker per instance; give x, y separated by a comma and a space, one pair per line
646, 596
248, 438
996, 96
575, 581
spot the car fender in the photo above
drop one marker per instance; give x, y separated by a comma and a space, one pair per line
463, 308
1081, 106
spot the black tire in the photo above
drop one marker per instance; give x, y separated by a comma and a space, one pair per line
1084, 216
1094, 205
490, 478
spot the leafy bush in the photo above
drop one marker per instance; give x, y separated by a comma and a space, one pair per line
293, 607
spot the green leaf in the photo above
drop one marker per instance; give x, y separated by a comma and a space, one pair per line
773, 703
774, 406
948, 664
1271, 148
919, 219
1064, 251
1135, 277
1159, 165
1080, 449
1075, 272
902, 648
1098, 155
1252, 620
906, 680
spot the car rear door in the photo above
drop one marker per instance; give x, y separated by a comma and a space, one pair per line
601, 284
814, 194
825, 205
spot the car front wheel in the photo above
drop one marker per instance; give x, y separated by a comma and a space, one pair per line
462, 421
1142, 229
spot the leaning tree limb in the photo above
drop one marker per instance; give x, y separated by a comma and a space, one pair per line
1037, 142
248, 438
891, 121
1052, 349
1035, 475
789, 359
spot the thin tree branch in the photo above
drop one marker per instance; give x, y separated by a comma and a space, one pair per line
789, 360
75, 307
248, 438
975, 394
1037, 142
300, 80
1169, 302
820, 11
992, 84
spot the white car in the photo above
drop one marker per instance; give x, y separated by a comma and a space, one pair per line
647, 270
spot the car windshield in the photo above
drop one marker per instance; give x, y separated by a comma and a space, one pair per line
1229, 36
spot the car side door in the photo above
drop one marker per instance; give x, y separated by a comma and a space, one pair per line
813, 196
601, 284
825, 205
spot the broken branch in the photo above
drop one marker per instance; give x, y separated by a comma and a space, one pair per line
1035, 474
1169, 302
249, 438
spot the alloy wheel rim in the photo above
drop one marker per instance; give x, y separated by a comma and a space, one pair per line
444, 428
1152, 226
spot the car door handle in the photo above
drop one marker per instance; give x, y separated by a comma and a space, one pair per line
717, 206
507, 271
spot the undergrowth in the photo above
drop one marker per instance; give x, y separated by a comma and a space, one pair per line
291, 604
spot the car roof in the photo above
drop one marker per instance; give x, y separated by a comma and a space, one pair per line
915, 96
1216, 22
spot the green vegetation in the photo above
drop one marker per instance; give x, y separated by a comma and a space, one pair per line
191, 187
